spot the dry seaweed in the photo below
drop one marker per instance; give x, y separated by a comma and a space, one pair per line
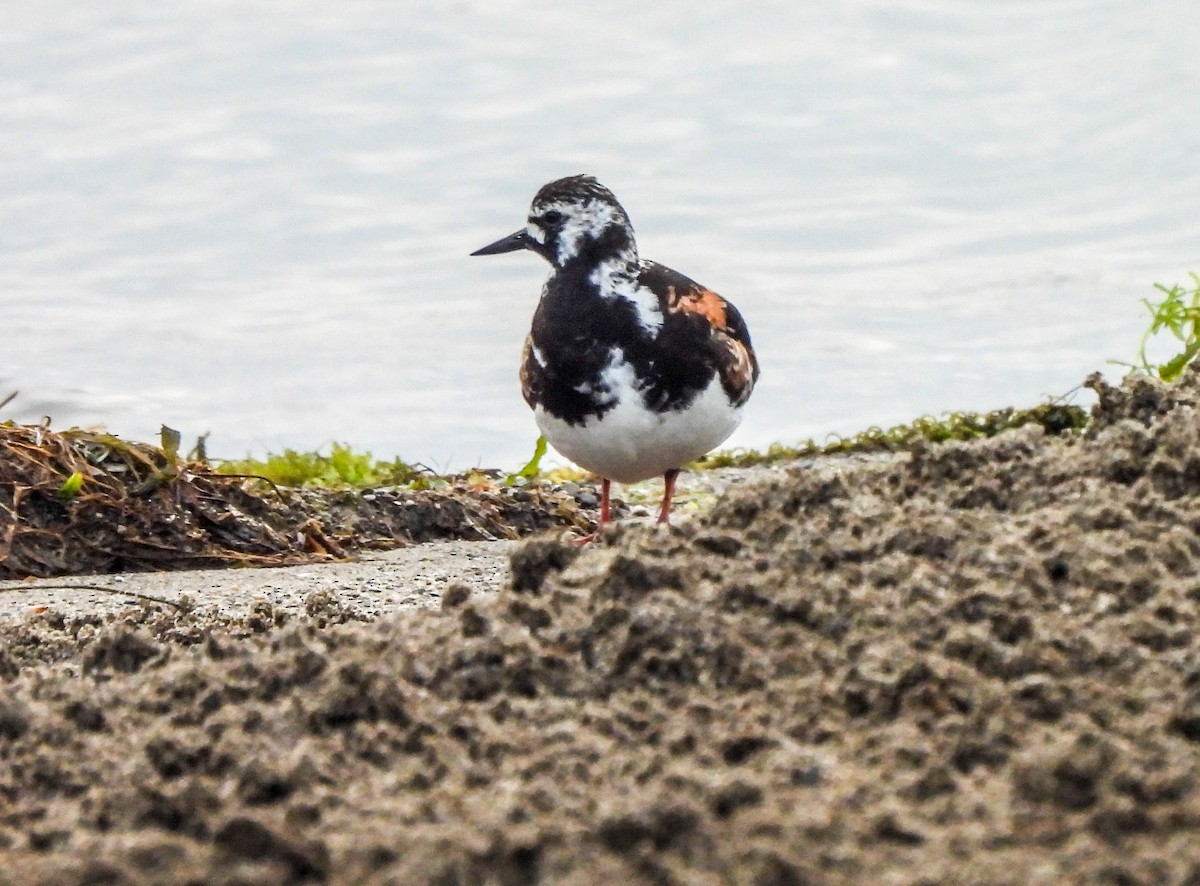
77, 502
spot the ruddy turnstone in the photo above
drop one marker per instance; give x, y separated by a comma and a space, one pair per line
632, 369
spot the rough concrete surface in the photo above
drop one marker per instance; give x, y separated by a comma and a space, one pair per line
974, 664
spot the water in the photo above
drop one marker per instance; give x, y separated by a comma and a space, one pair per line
254, 220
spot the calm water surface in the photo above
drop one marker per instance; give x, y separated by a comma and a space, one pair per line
256, 221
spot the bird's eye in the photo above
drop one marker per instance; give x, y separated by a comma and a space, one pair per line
552, 217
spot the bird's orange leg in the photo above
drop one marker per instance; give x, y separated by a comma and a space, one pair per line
605, 514
664, 513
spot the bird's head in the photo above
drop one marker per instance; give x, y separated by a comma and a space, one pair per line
572, 220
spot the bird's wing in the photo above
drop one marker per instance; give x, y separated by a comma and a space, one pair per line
729, 340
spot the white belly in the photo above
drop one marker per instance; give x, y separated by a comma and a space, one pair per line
629, 443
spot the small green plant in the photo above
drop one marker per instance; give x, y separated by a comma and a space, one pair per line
350, 467
71, 486
532, 467
1178, 313
169, 440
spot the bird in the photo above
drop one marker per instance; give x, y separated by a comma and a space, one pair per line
632, 370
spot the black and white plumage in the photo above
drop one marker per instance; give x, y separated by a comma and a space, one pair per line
632, 369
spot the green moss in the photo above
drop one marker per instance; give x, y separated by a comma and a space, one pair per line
344, 467
341, 467
1053, 417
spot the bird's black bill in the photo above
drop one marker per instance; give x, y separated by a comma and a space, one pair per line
511, 243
